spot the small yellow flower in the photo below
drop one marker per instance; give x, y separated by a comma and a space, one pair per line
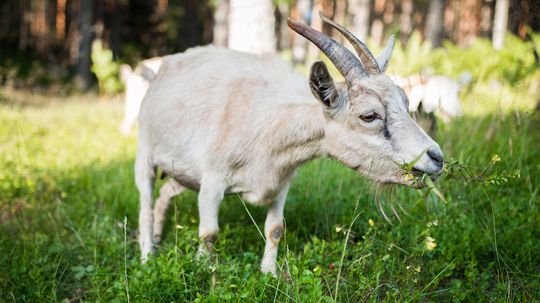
430, 243
370, 222
408, 177
495, 158
178, 226
338, 228
433, 223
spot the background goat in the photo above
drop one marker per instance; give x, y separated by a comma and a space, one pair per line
436, 94
136, 83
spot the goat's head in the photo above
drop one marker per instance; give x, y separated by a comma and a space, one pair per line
368, 125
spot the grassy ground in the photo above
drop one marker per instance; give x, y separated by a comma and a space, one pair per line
68, 211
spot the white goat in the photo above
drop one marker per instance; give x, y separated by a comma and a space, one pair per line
437, 94
219, 122
136, 83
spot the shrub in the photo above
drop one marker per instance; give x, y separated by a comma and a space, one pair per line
106, 69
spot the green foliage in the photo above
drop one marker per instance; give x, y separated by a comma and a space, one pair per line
107, 70
513, 63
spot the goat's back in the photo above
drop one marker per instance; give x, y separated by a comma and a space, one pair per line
209, 104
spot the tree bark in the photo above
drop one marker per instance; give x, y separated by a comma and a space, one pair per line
377, 26
83, 77
360, 11
60, 20
434, 30
405, 20
500, 23
282, 29
221, 23
300, 45
252, 26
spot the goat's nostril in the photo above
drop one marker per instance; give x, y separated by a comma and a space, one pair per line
436, 156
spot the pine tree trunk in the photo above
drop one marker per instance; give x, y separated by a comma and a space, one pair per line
252, 26
83, 77
500, 23
405, 20
435, 22
377, 26
300, 45
282, 29
221, 23
360, 10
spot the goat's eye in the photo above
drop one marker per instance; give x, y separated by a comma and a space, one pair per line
369, 117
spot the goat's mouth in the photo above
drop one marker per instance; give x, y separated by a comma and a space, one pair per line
417, 177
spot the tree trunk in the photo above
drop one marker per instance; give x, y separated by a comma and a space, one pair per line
39, 27
24, 29
83, 77
405, 20
486, 17
500, 23
377, 27
190, 29
316, 22
116, 24
360, 10
60, 20
434, 30
251, 26
468, 21
282, 29
300, 45
160, 28
221, 23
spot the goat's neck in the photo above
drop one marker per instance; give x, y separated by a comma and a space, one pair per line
302, 138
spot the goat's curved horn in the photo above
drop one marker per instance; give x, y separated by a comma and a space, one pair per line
369, 62
345, 61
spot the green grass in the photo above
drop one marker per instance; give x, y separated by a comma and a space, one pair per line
66, 187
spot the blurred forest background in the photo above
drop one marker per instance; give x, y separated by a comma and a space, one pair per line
46, 44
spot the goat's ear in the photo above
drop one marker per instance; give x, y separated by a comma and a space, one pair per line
384, 57
322, 85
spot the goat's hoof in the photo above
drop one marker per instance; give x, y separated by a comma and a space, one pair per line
269, 270
202, 252
145, 254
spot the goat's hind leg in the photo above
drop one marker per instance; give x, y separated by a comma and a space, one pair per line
170, 189
144, 179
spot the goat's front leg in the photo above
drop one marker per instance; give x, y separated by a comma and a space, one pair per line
273, 230
210, 196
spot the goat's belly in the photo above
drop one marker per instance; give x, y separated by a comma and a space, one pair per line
255, 198
184, 173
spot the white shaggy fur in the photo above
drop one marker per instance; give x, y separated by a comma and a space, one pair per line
219, 121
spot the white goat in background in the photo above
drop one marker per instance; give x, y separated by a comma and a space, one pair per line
220, 122
136, 83
436, 94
